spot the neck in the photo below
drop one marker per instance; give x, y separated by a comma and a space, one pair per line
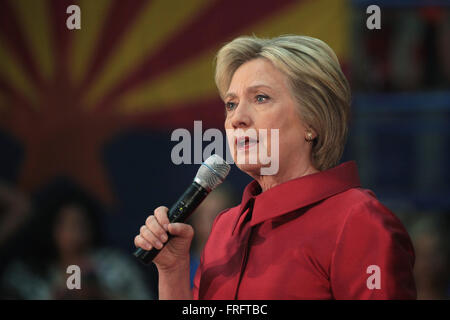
267, 182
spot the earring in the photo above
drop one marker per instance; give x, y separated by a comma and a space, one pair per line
309, 136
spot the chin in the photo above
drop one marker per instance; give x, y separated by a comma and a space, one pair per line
250, 169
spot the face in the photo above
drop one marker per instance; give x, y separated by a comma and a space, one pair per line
72, 230
259, 97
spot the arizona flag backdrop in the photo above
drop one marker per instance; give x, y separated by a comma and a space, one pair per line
144, 65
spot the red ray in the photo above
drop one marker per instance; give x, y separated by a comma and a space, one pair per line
10, 28
61, 36
16, 104
119, 18
64, 140
11, 93
67, 144
211, 27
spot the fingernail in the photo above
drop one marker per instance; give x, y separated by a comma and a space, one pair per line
164, 238
166, 227
158, 244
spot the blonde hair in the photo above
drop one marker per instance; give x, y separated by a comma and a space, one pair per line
316, 79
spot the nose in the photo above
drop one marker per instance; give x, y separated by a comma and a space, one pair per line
241, 117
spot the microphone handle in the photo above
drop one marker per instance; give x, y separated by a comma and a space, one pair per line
179, 212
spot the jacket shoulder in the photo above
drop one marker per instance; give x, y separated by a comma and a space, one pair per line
359, 201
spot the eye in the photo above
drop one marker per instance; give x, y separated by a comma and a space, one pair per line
260, 98
230, 106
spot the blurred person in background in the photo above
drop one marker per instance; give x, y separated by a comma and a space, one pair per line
67, 231
409, 53
15, 207
429, 233
419, 46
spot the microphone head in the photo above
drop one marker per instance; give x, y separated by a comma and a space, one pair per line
212, 172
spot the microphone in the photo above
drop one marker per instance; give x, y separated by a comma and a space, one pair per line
211, 174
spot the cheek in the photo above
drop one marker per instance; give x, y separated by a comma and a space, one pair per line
276, 128
229, 138
291, 136
228, 129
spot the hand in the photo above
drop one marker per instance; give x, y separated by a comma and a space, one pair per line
154, 234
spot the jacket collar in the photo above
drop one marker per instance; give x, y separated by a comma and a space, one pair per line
298, 193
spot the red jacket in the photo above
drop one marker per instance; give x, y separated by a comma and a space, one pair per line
320, 236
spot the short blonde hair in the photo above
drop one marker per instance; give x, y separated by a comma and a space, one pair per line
316, 79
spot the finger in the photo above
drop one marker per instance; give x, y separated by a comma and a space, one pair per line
140, 242
154, 226
161, 216
150, 237
181, 230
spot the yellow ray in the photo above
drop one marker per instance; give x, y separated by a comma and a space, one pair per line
34, 18
323, 19
193, 80
155, 25
93, 14
14, 74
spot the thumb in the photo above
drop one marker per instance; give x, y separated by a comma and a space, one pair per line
181, 230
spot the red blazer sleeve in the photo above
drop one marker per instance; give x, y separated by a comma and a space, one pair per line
374, 256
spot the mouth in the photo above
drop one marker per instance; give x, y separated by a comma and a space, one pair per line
245, 143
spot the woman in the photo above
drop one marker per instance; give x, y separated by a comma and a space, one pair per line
66, 230
309, 231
